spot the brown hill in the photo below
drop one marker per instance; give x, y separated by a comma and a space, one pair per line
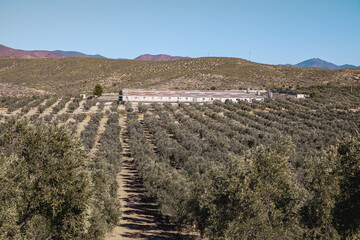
7, 89
6, 52
75, 75
159, 57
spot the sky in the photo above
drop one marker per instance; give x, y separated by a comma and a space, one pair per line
265, 31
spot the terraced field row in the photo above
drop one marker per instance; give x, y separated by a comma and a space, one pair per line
115, 210
170, 171
190, 155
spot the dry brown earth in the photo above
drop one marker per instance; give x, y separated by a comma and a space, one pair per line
33, 110
83, 124
80, 109
49, 109
100, 132
141, 218
64, 110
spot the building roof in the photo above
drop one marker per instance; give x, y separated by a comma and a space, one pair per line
189, 93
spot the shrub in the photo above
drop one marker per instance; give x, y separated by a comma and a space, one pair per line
142, 108
314, 95
89, 103
79, 117
98, 90
44, 183
114, 106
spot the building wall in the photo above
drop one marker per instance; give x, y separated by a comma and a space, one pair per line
300, 96
183, 99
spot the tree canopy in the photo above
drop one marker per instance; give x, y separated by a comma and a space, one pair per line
44, 182
98, 90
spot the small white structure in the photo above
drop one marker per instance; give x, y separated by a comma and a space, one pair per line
300, 96
154, 95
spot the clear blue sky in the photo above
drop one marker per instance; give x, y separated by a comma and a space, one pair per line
276, 32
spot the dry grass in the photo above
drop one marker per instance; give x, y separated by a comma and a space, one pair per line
76, 75
7, 89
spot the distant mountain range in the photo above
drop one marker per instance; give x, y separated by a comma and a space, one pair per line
318, 63
6, 52
76, 54
159, 57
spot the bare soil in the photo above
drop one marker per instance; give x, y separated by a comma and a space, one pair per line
48, 110
80, 109
93, 109
100, 132
141, 218
81, 125
33, 110
64, 110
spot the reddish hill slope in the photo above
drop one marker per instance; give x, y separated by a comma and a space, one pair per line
6, 52
159, 57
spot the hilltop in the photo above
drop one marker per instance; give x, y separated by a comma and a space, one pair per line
77, 74
319, 63
159, 57
76, 54
6, 52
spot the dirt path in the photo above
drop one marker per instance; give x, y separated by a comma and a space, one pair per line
100, 132
93, 109
83, 124
107, 108
80, 109
4, 112
48, 110
141, 218
64, 110
33, 110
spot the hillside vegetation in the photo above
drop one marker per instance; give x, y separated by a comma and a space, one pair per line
75, 75
278, 169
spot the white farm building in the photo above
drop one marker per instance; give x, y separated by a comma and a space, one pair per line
154, 95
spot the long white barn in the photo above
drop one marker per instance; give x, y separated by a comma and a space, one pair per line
154, 95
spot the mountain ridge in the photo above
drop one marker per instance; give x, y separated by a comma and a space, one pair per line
6, 52
76, 54
319, 63
159, 57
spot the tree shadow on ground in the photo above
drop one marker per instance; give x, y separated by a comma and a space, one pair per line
142, 218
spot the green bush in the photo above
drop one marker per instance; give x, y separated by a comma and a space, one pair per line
44, 183
314, 95
98, 90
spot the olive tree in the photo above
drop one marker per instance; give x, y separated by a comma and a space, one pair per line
44, 182
98, 90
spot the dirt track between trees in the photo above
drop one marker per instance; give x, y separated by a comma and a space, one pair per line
141, 218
